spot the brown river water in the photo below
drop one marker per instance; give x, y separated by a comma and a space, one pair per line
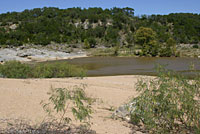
109, 66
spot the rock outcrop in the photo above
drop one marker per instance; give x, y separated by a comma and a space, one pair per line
30, 54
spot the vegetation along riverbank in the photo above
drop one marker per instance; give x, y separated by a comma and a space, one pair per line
16, 69
114, 31
165, 103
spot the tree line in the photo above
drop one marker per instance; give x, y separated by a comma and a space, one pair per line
94, 26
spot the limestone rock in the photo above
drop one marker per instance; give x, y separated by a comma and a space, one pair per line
124, 111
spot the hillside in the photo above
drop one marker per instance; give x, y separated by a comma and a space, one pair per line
93, 26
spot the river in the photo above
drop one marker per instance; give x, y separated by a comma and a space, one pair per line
109, 66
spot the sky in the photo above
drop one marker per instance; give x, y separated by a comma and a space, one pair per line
141, 7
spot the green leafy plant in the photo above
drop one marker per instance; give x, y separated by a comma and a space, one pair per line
57, 70
168, 103
116, 51
64, 100
15, 69
168, 49
146, 38
86, 44
195, 46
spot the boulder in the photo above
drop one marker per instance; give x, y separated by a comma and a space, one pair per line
124, 111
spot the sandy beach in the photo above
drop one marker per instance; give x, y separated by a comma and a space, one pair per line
20, 99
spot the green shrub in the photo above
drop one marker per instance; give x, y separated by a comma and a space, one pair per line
15, 69
92, 42
168, 49
86, 44
102, 52
168, 103
63, 100
57, 70
195, 46
116, 51
1, 75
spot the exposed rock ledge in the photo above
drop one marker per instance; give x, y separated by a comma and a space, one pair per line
33, 54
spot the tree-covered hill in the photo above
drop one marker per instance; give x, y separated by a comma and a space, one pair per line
93, 26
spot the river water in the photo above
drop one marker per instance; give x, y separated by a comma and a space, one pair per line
108, 66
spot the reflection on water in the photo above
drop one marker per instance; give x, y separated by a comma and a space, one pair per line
103, 66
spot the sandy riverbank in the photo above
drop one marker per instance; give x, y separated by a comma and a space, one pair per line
20, 98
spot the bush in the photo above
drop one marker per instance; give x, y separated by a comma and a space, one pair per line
22, 126
63, 100
195, 46
92, 42
169, 48
15, 69
60, 102
116, 51
86, 44
113, 51
57, 70
168, 104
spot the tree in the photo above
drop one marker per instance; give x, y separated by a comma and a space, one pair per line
128, 11
86, 44
111, 25
171, 45
41, 39
169, 48
146, 38
129, 39
92, 42
112, 36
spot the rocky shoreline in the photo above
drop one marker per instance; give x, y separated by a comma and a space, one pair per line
37, 54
